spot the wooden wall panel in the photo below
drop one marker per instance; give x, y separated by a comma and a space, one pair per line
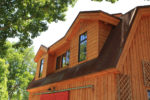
104, 88
63, 49
50, 64
139, 51
92, 42
104, 30
97, 33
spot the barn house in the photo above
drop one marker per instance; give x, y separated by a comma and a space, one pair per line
102, 57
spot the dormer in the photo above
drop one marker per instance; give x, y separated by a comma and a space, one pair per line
41, 60
82, 42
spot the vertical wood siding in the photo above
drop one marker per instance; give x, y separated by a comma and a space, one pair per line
138, 51
104, 88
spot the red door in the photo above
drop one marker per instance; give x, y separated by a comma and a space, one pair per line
55, 96
62, 96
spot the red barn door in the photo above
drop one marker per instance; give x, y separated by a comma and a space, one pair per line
55, 96
47, 97
62, 96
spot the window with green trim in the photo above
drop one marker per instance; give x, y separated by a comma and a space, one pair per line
82, 47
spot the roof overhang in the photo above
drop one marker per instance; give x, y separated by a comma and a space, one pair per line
44, 83
84, 16
42, 50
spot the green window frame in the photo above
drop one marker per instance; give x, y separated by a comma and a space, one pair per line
82, 47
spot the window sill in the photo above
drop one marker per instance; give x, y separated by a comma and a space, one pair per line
79, 62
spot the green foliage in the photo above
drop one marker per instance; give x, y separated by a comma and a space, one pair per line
21, 71
3, 80
25, 19
3, 49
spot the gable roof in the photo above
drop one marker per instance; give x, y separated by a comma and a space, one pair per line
107, 59
84, 15
42, 50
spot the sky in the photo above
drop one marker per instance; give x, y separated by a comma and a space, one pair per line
59, 29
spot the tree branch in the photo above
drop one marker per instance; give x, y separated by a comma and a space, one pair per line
11, 92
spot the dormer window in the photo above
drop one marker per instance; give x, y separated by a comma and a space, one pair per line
63, 60
82, 46
41, 68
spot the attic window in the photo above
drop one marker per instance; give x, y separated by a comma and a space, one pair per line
63, 60
82, 46
41, 67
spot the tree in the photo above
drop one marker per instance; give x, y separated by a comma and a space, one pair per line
26, 19
21, 71
3, 80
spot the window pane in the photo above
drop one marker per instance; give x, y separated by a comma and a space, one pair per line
58, 62
67, 57
83, 50
64, 60
83, 37
41, 67
148, 94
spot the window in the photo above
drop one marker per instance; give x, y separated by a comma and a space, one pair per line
82, 47
41, 67
148, 94
67, 57
63, 60
58, 62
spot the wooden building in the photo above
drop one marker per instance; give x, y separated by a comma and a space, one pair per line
101, 57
